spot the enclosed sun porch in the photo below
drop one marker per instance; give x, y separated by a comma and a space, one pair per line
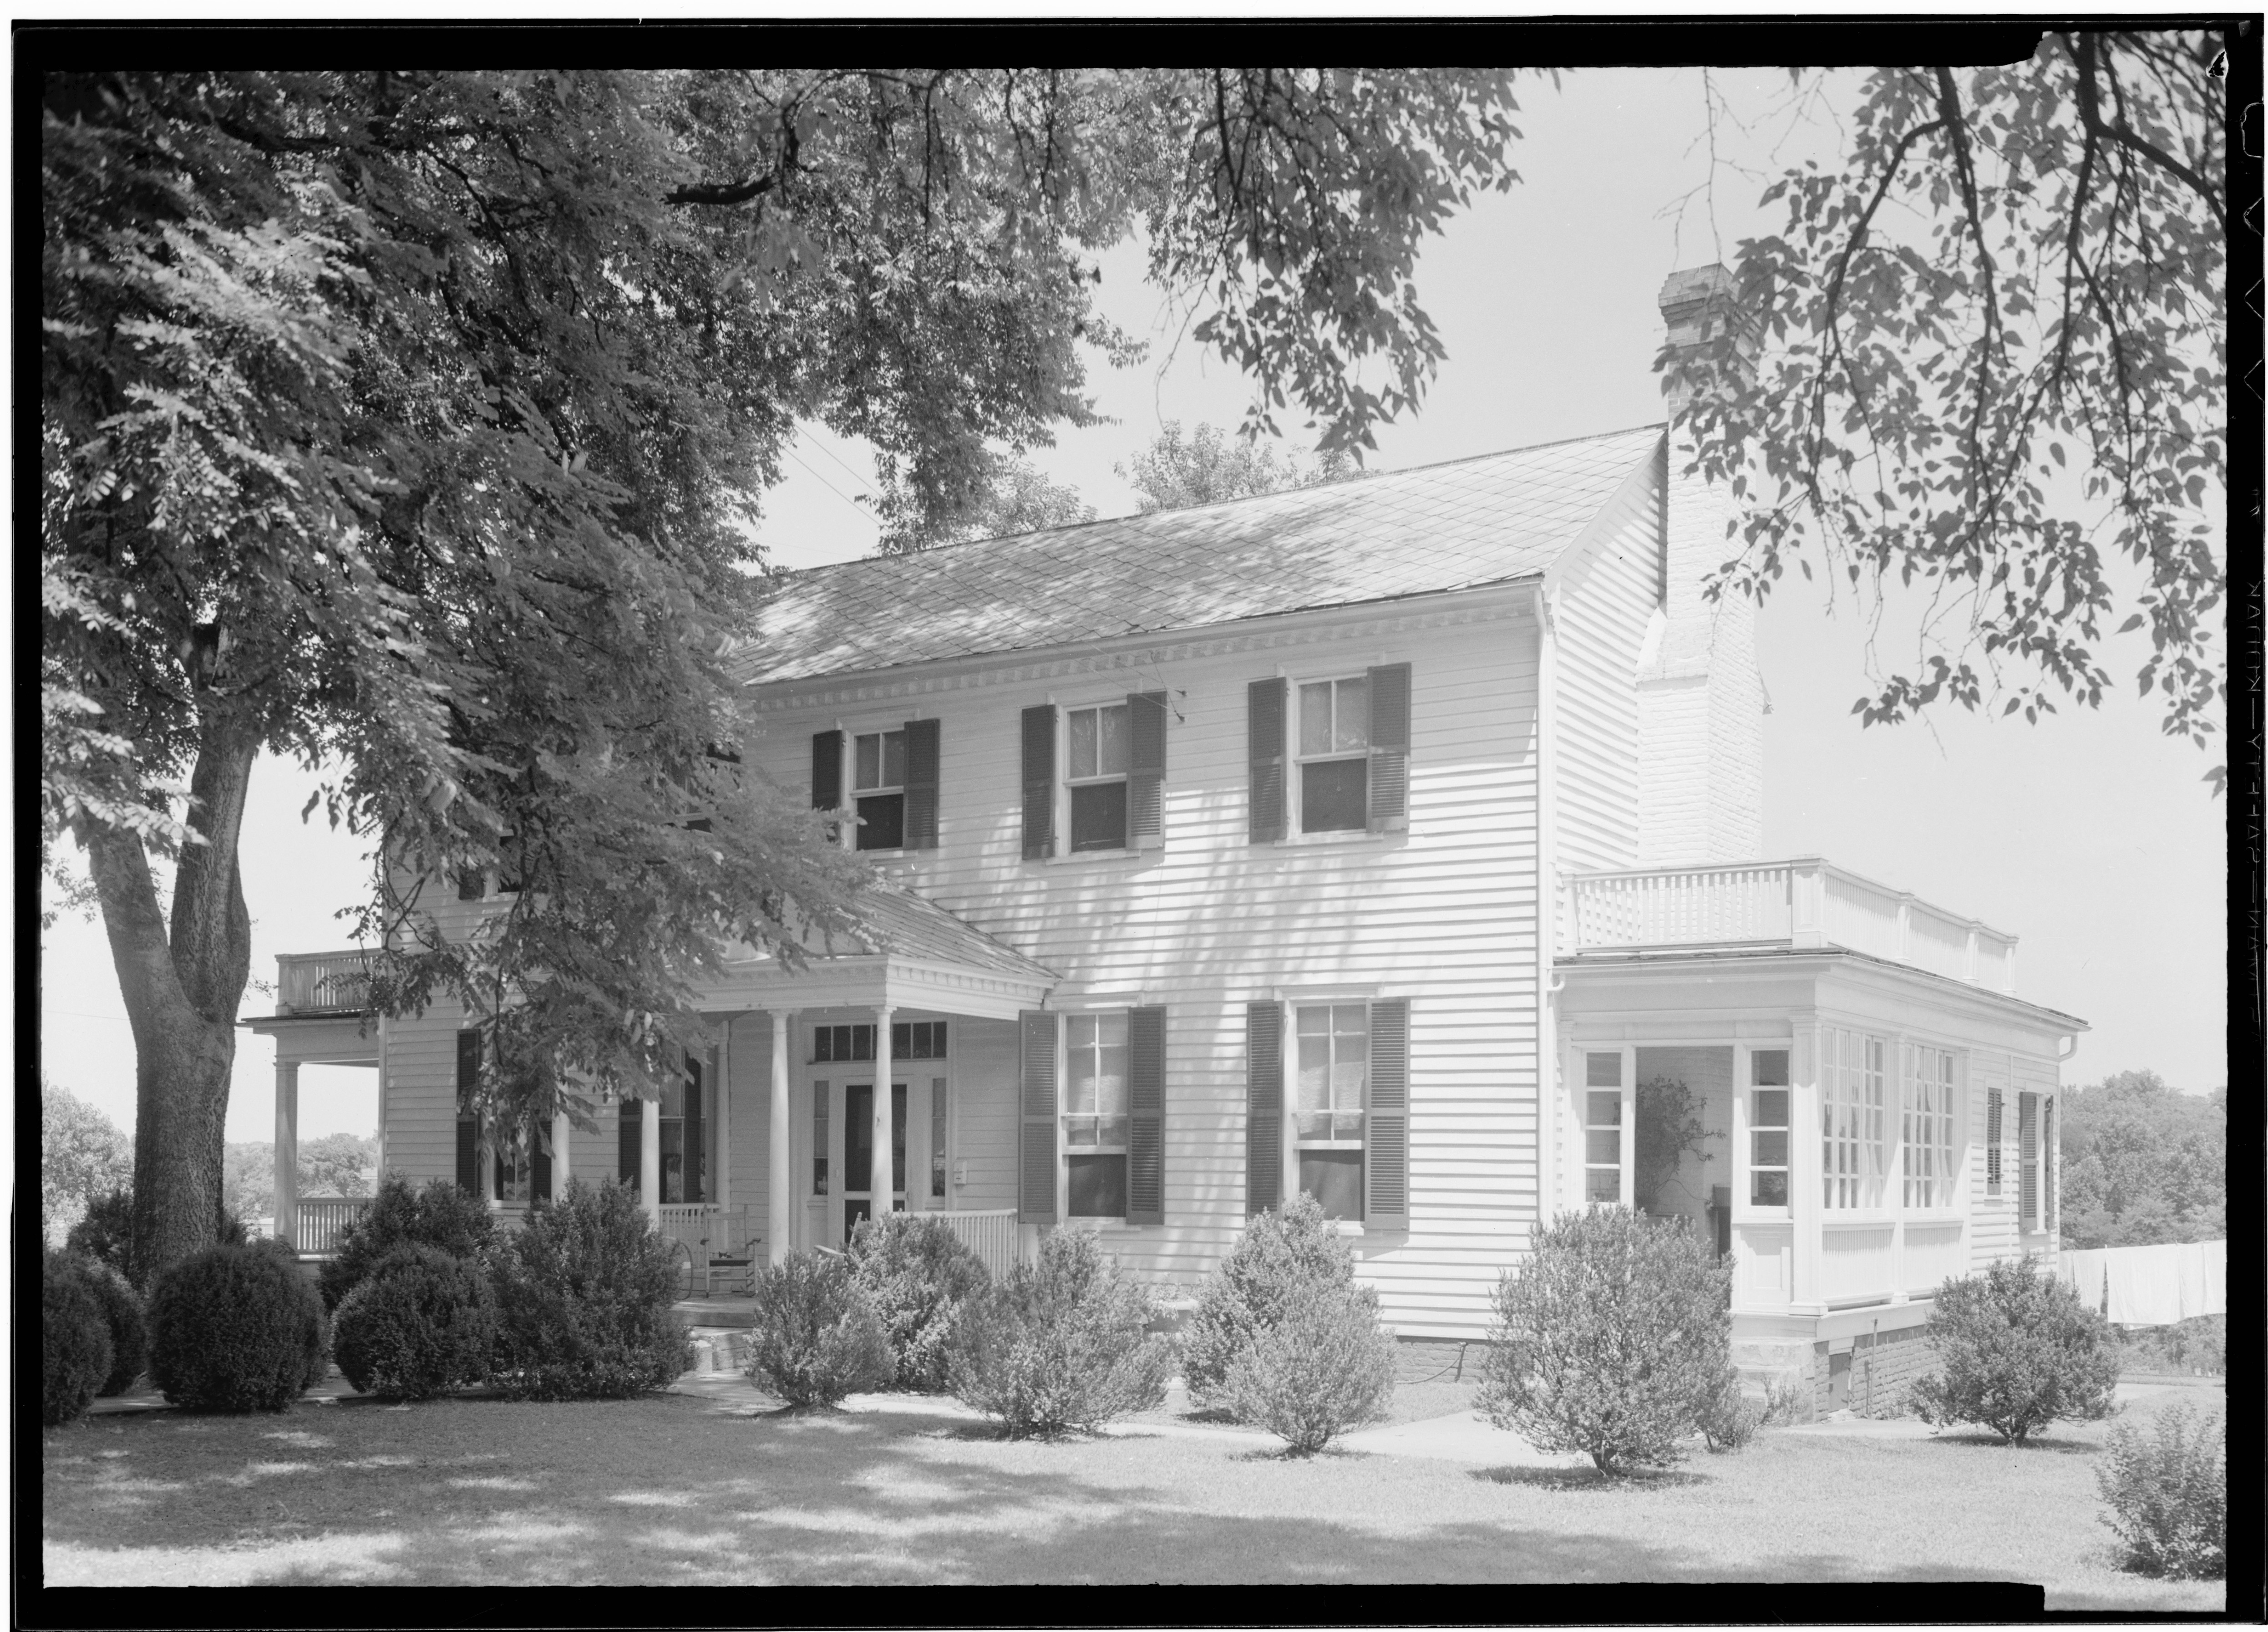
1832, 1080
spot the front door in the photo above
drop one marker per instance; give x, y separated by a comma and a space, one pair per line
858, 1152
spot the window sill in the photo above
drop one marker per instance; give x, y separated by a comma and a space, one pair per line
1072, 858
1342, 840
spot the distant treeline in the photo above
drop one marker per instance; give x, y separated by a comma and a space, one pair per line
2142, 1163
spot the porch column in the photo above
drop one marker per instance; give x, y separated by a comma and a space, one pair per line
287, 1152
1806, 1197
650, 1161
781, 1190
563, 1133
882, 1183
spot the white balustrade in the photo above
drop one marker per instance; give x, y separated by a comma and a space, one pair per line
992, 1236
322, 983
323, 1220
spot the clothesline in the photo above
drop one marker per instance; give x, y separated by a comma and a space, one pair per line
2150, 1286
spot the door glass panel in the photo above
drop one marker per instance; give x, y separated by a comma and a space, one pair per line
858, 1138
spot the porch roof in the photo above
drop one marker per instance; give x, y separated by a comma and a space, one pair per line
1628, 960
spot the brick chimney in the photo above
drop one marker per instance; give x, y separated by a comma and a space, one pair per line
1700, 702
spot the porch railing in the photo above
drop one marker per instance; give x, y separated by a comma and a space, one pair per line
324, 1219
322, 983
992, 1236
1802, 903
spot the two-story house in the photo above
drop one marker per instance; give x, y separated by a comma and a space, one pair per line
1382, 840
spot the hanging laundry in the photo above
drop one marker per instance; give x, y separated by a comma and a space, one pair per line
2082, 1272
2216, 1254
2144, 1284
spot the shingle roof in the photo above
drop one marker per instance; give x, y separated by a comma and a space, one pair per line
1483, 520
898, 921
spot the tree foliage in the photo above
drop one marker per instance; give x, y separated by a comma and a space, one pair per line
2141, 1164
1995, 366
1173, 473
83, 1157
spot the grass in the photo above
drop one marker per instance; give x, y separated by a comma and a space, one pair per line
727, 1490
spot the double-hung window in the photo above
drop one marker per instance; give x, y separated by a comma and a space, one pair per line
1768, 1127
1097, 742
878, 786
1602, 1128
1094, 1116
1334, 1078
1928, 1129
1334, 756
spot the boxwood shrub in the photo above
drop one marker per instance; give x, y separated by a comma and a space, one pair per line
418, 1325
121, 1309
235, 1329
2016, 1350
1060, 1344
74, 1341
816, 1336
918, 1275
583, 1295
439, 1216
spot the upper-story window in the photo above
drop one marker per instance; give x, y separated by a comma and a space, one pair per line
1097, 744
1329, 754
879, 788
1335, 755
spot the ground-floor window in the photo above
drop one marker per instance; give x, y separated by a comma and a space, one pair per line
1095, 1114
1602, 1128
1928, 1130
1854, 1121
1334, 1078
1768, 1127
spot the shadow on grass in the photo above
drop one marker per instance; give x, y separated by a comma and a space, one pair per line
1591, 1479
2018, 1447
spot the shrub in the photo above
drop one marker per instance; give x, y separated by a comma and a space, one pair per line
917, 1275
231, 1231
440, 1215
2167, 1494
1320, 1368
1282, 1256
106, 1233
816, 1336
419, 1324
583, 1294
1613, 1339
1060, 1344
121, 1312
235, 1329
2017, 1350
74, 1341
1729, 1419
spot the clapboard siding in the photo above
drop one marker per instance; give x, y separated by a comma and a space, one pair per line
420, 1109
1444, 914
749, 1079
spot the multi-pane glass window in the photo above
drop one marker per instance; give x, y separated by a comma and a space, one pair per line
937, 1135
880, 784
1335, 755
1768, 1127
1853, 1117
1098, 757
684, 1152
1334, 1076
1928, 1129
1095, 1115
917, 1039
515, 1169
1602, 1128
819, 1139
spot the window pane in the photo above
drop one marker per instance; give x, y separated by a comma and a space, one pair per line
1768, 1189
1603, 1146
1111, 1063
1334, 1177
893, 759
870, 762
1098, 816
1335, 796
1097, 1187
1603, 1110
1607, 1187
1079, 1092
1082, 743
1112, 1133
1771, 1108
1348, 1124
1316, 718
1314, 1073
1347, 1082
882, 822
1350, 721
1111, 756
1768, 1149
1078, 1130
1602, 1071
1770, 1068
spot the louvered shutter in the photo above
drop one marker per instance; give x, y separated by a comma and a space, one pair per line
1386, 1164
1146, 1107
629, 1130
2047, 1164
1039, 730
1145, 775
695, 1189
1035, 1184
1263, 1107
921, 784
1264, 704
539, 1144
2028, 1158
827, 771
1993, 1139
1389, 747
469, 1128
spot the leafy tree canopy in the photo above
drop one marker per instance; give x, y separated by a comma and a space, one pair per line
83, 1156
1174, 472
2142, 1163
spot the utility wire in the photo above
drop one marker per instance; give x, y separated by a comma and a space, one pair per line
828, 485
830, 453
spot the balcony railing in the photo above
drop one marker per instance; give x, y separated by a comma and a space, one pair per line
322, 983
1803, 903
324, 1219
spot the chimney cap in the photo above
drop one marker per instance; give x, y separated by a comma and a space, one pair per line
1698, 283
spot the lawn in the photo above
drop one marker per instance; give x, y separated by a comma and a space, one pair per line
688, 1490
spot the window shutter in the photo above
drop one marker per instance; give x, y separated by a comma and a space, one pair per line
469, 1128
1389, 747
1387, 1148
2048, 1164
827, 771
921, 784
1993, 1139
695, 1189
469, 884
1146, 778
1035, 1187
1264, 708
2027, 1157
1263, 1103
539, 1145
629, 1129
1146, 1108
1040, 786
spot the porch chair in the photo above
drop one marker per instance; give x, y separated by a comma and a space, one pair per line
733, 1255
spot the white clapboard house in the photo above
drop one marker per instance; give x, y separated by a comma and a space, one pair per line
1378, 839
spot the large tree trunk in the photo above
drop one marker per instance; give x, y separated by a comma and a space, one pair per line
181, 989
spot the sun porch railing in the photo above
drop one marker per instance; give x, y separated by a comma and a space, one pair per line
322, 983
1801, 903
992, 1236
323, 1220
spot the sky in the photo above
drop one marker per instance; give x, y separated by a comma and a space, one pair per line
2090, 836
